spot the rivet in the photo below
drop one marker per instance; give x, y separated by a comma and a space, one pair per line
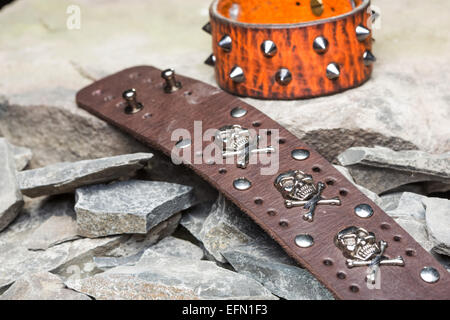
238, 112
363, 210
237, 74
304, 240
320, 45
317, 7
172, 84
429, 275
269, 48
283, 76
242, 184
333, 71
183, 143
300, 154
362, 32
130, 97
225, 43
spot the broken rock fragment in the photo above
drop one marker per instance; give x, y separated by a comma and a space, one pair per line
67, 176
133, 206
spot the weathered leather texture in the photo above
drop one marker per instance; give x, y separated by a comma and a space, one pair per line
196, 101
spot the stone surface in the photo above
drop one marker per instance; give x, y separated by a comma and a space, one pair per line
41, 286
22, 156
11, 200
438, 223
392, 109
157, 276
133, 206
67, 176
381, 169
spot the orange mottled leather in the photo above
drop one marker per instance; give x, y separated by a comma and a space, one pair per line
293, 28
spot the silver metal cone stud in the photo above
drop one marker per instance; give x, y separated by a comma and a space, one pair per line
368, 58
237, 74
225, 43
211, 60
283, 76
269, 48
362, 32
207, 28
320, 45
333, 71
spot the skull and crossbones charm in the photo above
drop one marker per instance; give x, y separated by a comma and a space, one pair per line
362, 250
298, 190
237, 141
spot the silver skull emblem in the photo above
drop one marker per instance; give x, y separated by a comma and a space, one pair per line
298, 190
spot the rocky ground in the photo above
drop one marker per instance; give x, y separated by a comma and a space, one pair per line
86, 212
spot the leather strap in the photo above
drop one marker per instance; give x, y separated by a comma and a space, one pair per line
289, 49
300, 181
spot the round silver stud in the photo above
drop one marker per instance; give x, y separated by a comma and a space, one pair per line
283, 76
304, 240
238, 112
333, 71
429, 275
300, 154
269, 48
184, 143
242, 184
320, 45
363, 210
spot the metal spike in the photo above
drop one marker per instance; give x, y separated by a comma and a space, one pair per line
333, 71
283, 76
225, 43
237, 74
207, 28
362, 32
269, 48
320, 45
368, 58
374, 16
211, 60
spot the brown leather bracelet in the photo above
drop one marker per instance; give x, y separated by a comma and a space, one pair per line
319, 218
289, 49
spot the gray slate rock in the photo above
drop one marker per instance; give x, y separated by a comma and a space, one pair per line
11, 200
41, 286
381, 169
22, 156
438, 224
65, 177
284, 280
133, 206
157, 276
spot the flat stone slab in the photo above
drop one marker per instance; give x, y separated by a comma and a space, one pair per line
67, 176
133, 206
381, 169
157, 276
22, 156
437, 218
41, 286
11, 200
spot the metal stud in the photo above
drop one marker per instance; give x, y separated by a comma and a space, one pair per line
304, 240
363, 210
300, 154
283, 76
269, 48
368, 58
362, 32
130, 97
211, 60
225, 43
429, 275
172, 84
333, 71
237, 74
238, 112
184, 143
320, 45
207, 28
242, 184
317, 7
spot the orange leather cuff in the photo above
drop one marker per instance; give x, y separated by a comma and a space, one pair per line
288, 49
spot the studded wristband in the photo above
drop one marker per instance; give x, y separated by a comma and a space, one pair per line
317, 216
289, 49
